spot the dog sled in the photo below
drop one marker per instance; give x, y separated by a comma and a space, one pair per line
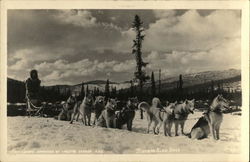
34, 107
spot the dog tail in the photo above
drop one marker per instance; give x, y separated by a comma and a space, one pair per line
144, 106
188, 135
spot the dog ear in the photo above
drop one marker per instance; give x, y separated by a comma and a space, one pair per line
167, 103
219, 96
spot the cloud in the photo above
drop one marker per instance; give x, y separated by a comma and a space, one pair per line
164, 13
127, 66
82, 70
191, 31
68, 47
23, 59
224, 56
81, 18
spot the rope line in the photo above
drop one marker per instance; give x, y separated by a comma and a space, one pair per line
189, 119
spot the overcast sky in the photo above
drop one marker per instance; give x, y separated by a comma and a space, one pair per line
71, 46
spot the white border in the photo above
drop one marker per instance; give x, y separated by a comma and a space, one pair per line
243, 5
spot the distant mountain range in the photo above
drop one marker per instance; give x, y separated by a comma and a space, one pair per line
166, 83
199, 78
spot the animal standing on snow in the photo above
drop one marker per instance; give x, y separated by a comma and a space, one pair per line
155, 114
107, 117
99, 106
168, 118
181, 112
127, 114
84, 109
211, 120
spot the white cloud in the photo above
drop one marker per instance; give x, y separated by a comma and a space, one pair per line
191, 31
164, 13
76, 17
24, 59
54, 75
224, 56
65, 72
127, 66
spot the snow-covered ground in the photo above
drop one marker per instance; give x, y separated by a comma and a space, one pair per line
46, 135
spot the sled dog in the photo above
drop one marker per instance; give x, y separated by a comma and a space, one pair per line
155, 114
127, 114
99, 106
168, 118
211, 120
67, 109
107, 117
84, 109
181, 112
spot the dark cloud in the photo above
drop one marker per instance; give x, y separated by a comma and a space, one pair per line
40, 29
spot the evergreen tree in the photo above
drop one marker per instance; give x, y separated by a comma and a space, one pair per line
140, 73
212, 87
159, 88
82, 91
113, 92
94, 92
68, 93
98, 91
107, 92
131, 88
87, 90
180, 83
152, 85
180, 88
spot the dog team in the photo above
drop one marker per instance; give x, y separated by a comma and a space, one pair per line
114, 114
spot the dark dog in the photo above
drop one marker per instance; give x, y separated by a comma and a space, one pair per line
107, 117
67, 109
127, 114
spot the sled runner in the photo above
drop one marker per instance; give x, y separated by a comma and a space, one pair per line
34, 107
